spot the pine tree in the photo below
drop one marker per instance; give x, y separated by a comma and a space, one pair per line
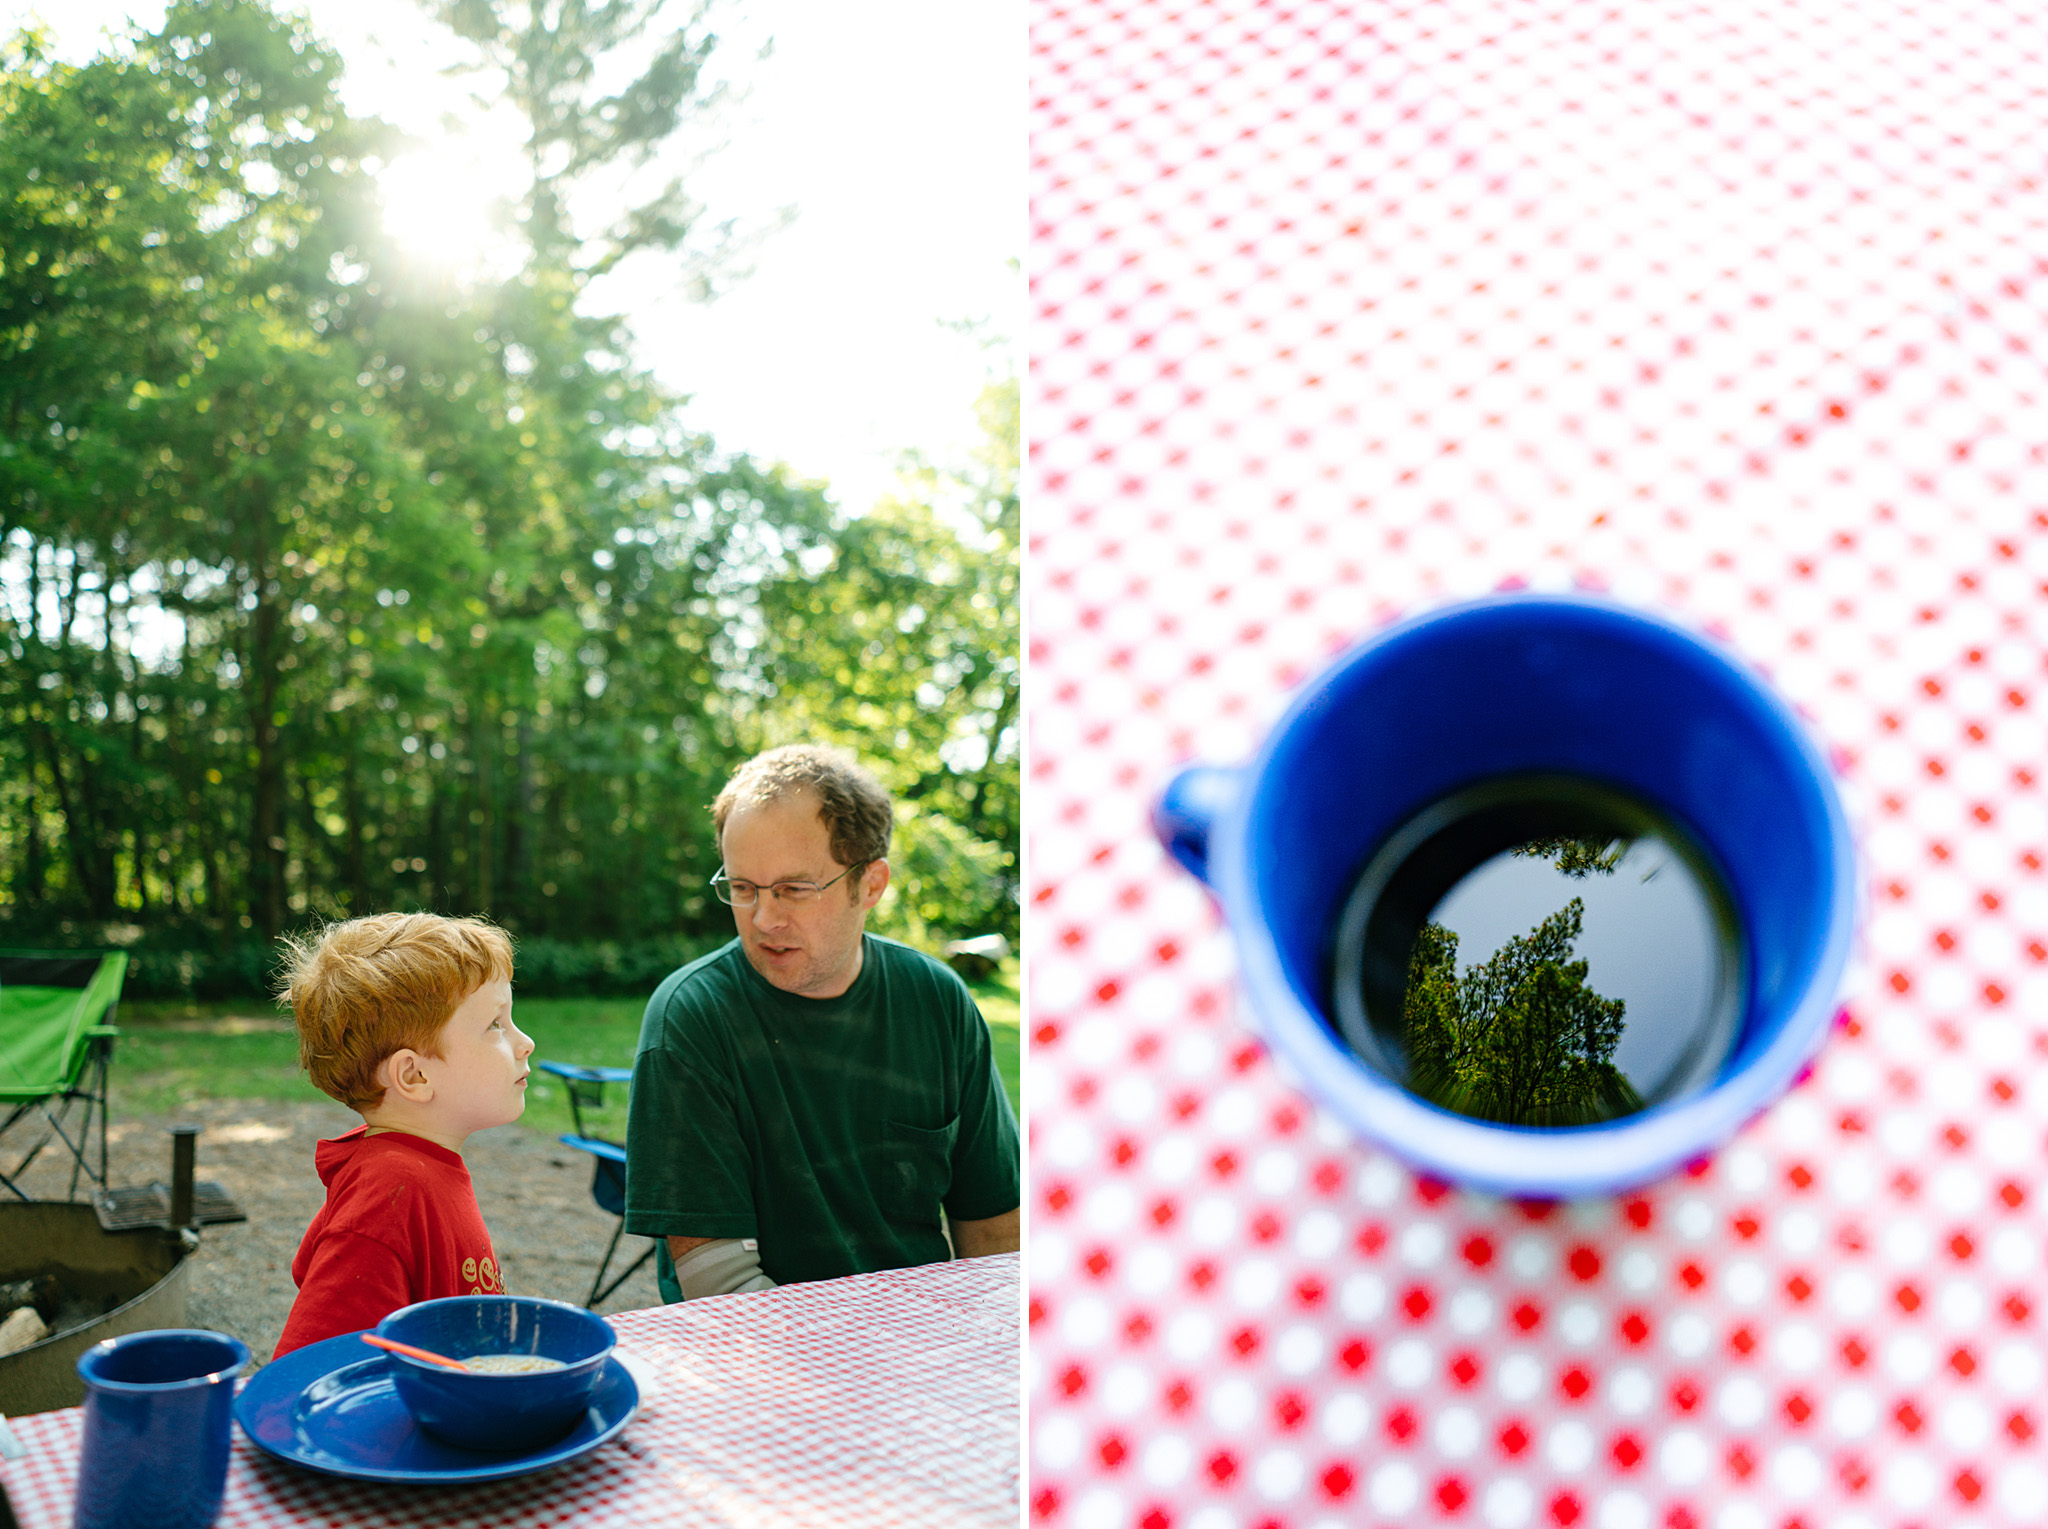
1577, 858
1520, 1039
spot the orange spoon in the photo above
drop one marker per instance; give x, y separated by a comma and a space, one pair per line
414, 1353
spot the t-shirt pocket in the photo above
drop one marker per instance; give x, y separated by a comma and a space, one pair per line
916, 1169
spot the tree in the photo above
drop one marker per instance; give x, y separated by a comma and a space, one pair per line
181, 218
326, 588
561, 67
1577, 857
898, 640
1519, 1039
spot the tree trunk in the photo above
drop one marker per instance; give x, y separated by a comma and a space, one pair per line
139, 859
266, 812
34, 880
319, 869
481, 890
127, 673
99, 846
79, 835
354, 872
91, 858
30, 892
518, 852
437, 837
216, 887
977, 813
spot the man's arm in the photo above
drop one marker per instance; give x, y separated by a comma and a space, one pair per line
975, 1239
717, 1265
985, 1153
685, 1159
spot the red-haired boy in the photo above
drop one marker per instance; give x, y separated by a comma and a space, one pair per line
406, 1018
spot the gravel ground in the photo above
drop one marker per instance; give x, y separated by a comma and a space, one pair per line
534, 1192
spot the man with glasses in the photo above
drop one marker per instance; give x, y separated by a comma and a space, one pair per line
807, 1098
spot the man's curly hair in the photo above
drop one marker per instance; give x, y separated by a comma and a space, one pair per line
852, 802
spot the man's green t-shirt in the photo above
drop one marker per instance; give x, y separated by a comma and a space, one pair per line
829, 1129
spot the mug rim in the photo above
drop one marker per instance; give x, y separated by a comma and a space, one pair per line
1527, 1161
106, 1347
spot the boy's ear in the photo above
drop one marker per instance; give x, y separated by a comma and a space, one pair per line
401, 1073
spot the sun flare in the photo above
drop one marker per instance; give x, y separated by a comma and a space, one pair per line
440, 206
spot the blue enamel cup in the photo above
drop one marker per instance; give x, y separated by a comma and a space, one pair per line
1523, 685
157, 1408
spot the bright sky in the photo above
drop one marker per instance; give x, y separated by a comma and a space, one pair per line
896, 131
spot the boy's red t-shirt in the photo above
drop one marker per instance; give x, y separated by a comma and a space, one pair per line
400, 1225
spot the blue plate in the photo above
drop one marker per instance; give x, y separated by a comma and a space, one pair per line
330, 1407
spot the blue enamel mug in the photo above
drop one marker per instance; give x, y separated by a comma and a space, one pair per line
1515, 687
157, 1411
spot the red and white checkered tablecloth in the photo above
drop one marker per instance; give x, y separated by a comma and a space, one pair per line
1738, 312
879, 1400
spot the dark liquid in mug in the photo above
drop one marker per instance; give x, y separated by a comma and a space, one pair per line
1541, 952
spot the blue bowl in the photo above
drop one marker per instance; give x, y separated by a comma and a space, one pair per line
498, 1413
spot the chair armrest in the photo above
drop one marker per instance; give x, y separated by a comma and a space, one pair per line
578, 1074
611, 1151
585, 1085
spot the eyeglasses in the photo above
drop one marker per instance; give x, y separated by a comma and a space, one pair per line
744, 894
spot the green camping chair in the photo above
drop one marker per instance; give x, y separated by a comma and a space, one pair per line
56, 1037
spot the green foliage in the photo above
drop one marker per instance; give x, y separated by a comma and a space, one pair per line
606, 87
328, 586
901, 647
943, 877
1519, 1039
547, 968
234, 969
1577, 858
171, 1054
561, 969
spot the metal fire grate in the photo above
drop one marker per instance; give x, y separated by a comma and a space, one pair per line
136, 1205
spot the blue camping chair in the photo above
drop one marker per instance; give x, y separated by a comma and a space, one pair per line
608, 1163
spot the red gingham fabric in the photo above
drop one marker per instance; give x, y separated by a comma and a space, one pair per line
1737, 312
882, 1399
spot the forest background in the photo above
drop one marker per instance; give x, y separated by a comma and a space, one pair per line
331, 584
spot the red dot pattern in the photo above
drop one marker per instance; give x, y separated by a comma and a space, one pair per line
1735, 312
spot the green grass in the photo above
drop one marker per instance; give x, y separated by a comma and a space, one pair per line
1003, 1008
170, 1055
173, 1054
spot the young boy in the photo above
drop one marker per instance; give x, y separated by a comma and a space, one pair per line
406, 1018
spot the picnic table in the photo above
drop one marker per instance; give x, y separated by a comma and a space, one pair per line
879, 1399
1735, 313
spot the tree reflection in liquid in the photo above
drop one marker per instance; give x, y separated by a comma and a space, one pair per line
1520, 1038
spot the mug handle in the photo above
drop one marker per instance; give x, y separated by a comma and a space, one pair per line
1189, 808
